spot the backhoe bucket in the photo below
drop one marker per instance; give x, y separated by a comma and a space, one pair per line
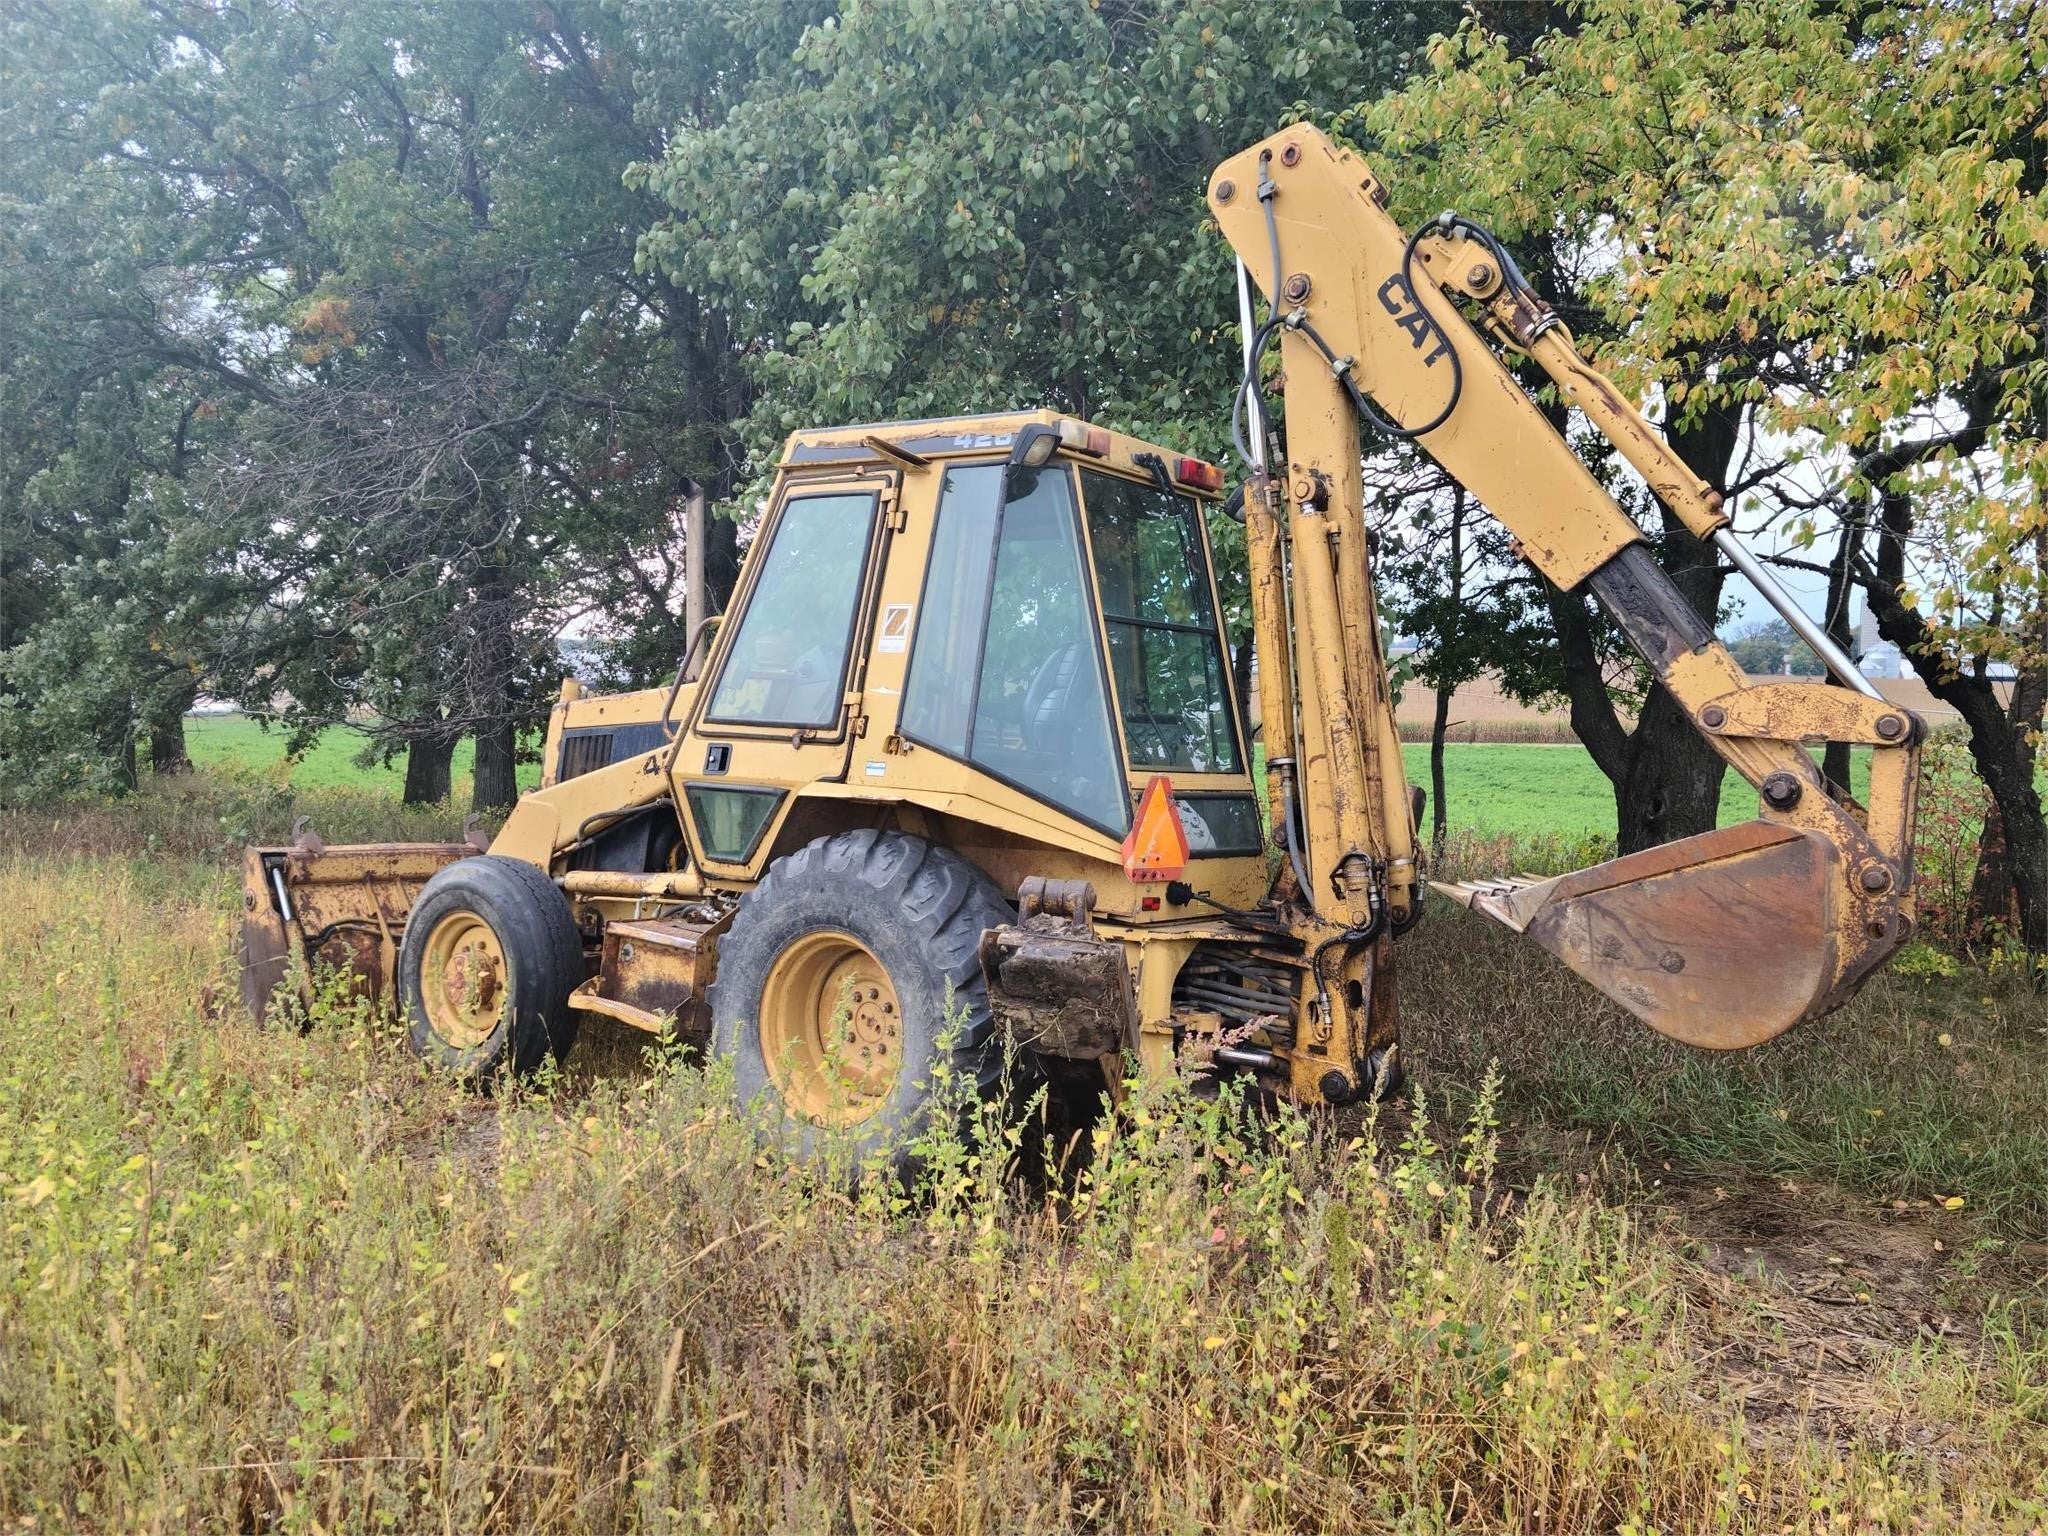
342, 908
1723, 940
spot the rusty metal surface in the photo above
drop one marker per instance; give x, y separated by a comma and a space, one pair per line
656, 970
1721, 941
1058, 990
342, 908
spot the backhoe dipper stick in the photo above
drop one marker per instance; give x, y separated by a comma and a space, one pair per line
1722, 940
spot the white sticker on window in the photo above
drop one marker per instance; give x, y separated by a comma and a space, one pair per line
895, 635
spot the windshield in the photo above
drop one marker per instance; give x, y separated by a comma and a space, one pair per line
1005, 671
1153, 576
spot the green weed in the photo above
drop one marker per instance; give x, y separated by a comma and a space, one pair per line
265, 1280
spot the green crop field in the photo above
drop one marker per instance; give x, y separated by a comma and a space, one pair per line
1517, 789
337, 759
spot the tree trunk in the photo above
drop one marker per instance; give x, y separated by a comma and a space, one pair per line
167, 752
1673, 785
496, 784
1994, 887
1667, 780
2001, 750
1991, 902
117, 740
127, 775
427, 760
721, 561
1439, 824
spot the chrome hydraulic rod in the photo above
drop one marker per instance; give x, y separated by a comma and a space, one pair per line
1247, 326
1837, 660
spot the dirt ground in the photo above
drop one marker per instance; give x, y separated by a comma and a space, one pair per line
1840, 1285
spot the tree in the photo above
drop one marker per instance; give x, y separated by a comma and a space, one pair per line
1768, 648
1446, 577
1848, 295
398, 239
934, 209
107, 591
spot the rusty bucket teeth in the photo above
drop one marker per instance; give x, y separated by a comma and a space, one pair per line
1722, 940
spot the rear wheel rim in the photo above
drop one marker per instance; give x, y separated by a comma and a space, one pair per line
464, 981
831, 1029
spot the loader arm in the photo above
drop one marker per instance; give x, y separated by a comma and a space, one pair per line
1722, 940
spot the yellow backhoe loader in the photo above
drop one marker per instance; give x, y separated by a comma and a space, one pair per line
962, 764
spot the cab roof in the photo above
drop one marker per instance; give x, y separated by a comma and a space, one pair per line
950, 437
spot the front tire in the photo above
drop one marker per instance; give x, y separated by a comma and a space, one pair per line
831, 998
490, 957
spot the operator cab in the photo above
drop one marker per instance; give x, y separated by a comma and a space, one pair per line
1068, 640
1009, 621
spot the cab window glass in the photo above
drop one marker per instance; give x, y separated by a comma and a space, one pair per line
938, 695
730, 818
787, 665
1005, 670
1171, 682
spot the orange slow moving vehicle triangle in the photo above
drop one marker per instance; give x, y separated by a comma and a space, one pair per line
1157, 847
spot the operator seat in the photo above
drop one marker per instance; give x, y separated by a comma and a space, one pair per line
1048, 724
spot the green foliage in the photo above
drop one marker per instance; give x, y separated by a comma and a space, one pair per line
329, 382
1768, 648
1850, 291
267, 1279
937, 209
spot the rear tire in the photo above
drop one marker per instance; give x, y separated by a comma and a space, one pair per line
832, 987
490, 957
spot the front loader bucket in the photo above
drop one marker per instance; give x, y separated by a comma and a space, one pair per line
343, 908
1723, 940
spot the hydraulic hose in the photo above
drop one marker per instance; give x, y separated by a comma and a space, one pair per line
1340, 368
1293, 839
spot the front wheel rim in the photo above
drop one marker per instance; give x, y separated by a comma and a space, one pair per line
831, 1029
465, 983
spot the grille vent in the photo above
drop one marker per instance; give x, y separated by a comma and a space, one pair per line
580, 754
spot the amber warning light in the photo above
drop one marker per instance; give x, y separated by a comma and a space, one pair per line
1157, 847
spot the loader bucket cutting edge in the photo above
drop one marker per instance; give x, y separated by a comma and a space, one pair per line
1722, 941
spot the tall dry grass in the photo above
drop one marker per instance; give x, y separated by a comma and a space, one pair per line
256, 1281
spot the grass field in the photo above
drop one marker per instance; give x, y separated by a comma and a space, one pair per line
240, 744
1583, 1281
1525, 790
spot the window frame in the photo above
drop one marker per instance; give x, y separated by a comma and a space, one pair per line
720, 787
1121, 766
1199, 795
730, 633
1215, 629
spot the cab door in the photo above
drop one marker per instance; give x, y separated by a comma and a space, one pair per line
780, 703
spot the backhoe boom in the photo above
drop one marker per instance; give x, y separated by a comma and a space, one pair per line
1722, 940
